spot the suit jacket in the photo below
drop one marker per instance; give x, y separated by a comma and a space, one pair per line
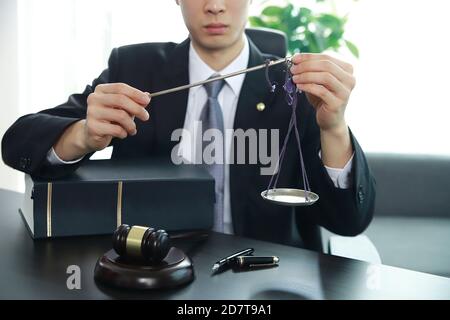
156, 66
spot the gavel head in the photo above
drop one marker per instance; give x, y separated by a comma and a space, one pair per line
141, 243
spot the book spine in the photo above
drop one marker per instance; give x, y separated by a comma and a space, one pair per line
78, 209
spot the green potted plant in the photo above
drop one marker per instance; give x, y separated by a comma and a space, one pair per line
306, 31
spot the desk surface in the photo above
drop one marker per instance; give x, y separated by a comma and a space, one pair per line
37, 270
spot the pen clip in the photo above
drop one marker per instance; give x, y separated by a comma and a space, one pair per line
262, 265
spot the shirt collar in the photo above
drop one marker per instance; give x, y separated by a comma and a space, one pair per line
200, 71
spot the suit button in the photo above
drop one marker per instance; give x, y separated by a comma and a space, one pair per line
261, 107
361, 195
23, 163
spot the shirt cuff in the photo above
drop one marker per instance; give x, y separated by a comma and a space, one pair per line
341, 178
53, 159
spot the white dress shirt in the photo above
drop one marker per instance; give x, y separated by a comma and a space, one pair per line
228, 99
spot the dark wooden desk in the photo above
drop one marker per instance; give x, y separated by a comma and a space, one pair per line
37, 270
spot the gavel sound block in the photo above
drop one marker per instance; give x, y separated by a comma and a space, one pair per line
142, 258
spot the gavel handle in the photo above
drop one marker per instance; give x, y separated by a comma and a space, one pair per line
189, 235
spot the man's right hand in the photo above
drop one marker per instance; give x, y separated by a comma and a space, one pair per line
111, 111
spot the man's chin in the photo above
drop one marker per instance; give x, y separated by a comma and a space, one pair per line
216, 42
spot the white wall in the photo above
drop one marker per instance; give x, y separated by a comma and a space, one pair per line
9, 110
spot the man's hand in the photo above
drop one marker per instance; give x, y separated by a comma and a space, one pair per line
111, 111
328, 83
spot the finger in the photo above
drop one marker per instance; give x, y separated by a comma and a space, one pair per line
122, 88
320, 91
123, 102
102, 129
117, 116
325, 79
299, 58
325, 66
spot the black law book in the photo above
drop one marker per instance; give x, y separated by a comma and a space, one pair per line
104, 194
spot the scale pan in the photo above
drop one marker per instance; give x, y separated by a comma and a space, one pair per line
290, 197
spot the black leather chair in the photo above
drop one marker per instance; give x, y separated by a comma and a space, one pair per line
269, 41
411, 227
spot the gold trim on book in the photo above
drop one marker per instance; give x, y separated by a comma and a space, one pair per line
119, 203
49, 209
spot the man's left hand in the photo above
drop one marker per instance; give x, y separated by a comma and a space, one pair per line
328, 83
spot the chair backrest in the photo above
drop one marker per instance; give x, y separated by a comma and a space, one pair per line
411, 185
269, 41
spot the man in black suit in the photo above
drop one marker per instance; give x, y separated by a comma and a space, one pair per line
113, 111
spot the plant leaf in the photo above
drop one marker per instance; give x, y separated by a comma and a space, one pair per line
306, 31
272, 11
257, 22
330, 21
353, 48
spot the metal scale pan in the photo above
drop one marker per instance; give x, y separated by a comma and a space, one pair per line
290, 197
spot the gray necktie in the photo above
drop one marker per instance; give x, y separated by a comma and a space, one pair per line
212, 118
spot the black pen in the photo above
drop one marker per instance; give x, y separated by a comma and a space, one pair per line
219, 265
255, 262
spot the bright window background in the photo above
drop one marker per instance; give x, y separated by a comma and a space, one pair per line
400, 104
65, 44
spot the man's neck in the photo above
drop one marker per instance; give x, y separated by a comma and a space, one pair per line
219, 59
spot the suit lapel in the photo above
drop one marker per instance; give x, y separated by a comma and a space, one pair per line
254, 90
